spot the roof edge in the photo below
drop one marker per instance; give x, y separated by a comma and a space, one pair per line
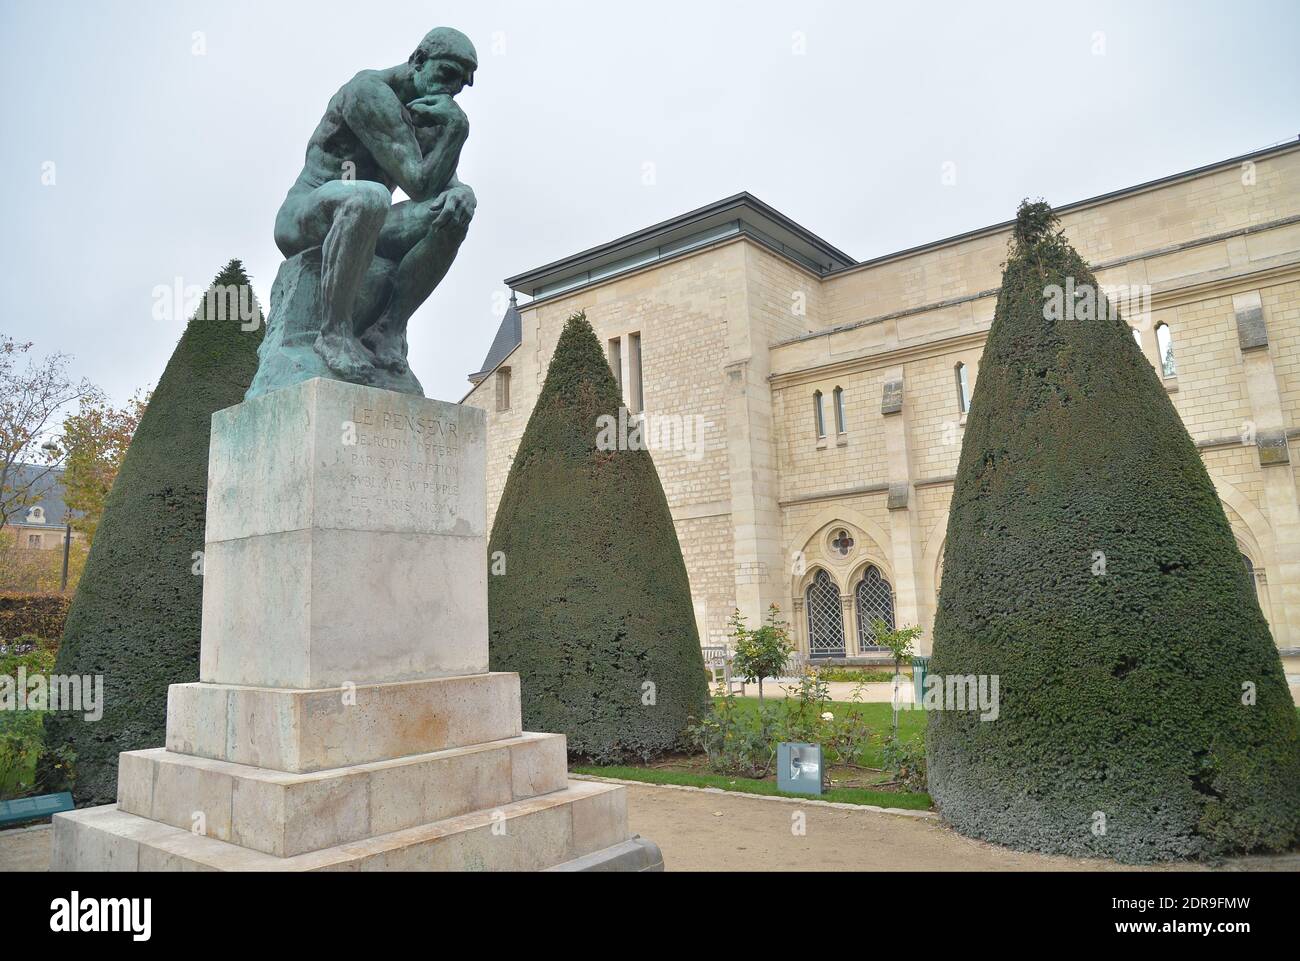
1279, 148
738, 201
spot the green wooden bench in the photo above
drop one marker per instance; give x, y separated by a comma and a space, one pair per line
31, 808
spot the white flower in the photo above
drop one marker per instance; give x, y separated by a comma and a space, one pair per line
828, 716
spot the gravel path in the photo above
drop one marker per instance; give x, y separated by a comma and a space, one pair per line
715, 831
724, 831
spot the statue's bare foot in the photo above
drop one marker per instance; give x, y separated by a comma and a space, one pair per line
344, 356
390, 352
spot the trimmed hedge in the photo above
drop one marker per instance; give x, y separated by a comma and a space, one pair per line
135, 617
41, 614
594, 602
1090, 566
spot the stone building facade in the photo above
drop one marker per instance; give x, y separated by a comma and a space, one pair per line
40, 524
810, 408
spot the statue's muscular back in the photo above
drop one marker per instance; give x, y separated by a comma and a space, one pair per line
334, 152
334, 145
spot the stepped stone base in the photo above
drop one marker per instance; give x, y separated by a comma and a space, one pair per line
288, 814
585, 822
345, 718
302, 730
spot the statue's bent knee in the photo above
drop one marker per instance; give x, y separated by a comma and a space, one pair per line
368, 199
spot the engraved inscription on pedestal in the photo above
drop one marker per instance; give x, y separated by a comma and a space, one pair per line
342, 457
401, 468
346, 539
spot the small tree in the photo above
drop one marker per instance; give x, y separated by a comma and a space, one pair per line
899, 643
94, 442
762, 652
32, 394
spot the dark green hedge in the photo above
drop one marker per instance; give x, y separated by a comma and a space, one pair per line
135, 617
595, 601
1121, 693
41, 614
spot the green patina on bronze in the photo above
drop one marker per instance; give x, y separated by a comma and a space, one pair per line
357, 265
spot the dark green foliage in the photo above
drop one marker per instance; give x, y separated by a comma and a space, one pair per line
1121, 694
135, 616
594, 601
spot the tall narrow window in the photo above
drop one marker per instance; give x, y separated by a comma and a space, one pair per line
875, 603
963, 388
1137, 336
1252, 573
635, 400
819, 416
616, 362
839, 410
503, 388
1165, 342
825, 617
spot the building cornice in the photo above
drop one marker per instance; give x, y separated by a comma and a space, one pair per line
1165, 292
1226, 286
880, 359
1078, 205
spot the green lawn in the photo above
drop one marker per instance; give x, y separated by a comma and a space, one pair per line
911, 725
888, 799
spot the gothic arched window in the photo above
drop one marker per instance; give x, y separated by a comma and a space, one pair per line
875, 602
825, 617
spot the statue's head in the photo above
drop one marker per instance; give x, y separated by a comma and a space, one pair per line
444, 62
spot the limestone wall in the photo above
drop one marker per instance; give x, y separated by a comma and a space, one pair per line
741, 337
681, 310
1206, 249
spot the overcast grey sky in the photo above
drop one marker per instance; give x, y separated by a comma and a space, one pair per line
840, 114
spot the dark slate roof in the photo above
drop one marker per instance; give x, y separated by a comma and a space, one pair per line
49, 484
742, 213
509, 336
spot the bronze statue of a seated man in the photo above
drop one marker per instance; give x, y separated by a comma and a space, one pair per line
378, 261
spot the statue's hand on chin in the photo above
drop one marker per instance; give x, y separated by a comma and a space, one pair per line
436, 110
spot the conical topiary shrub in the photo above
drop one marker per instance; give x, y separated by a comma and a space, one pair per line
135, 617
1143, 711
593, 608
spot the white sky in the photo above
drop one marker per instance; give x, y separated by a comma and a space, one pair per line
168, 164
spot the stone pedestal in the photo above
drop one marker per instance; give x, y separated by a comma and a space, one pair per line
345, 717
